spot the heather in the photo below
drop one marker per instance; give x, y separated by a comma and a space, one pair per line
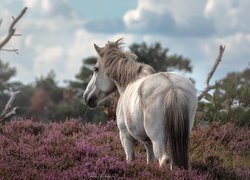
73, 150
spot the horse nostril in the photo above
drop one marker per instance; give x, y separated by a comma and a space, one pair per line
91, 101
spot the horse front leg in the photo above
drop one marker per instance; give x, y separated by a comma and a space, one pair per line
126, 139
128, 144
150, 153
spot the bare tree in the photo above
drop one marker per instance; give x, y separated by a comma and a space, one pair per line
9, 110
11, 31
210, 74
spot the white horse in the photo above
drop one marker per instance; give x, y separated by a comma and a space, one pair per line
156, 109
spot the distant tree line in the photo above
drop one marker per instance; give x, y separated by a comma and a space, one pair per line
45, 100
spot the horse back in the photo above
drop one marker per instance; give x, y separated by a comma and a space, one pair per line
158, 84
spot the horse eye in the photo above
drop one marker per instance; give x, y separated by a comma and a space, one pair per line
95, 69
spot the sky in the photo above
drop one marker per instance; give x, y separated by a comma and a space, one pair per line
58, 34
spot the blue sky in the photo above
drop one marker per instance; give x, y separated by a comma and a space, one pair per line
99, 9
58, 34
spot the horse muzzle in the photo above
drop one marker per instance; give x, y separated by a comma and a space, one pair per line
91, 101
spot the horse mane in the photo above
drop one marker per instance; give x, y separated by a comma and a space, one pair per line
122, 66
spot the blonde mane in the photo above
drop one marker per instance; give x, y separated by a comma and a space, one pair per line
122, 66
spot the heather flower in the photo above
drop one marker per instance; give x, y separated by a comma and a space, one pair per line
72, 150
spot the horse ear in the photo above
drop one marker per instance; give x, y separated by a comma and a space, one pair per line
98, 49
118, 42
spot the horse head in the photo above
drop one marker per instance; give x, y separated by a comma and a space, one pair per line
100, 85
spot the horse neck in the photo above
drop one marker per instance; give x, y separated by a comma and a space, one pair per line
127, 72
122, 87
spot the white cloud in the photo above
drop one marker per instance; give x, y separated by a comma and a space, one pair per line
5, 21
184, 11
28, 41
83, 46
229, 16
49, 8
190, 17
237, 54
47, 31
179, 18
181, 11
50, 58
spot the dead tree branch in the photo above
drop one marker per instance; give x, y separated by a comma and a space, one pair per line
11, 50
210, 74
12, 29
9, 110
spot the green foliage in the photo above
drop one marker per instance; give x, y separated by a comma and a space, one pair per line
49, 85
230, 101
157, 56
50, 102
44, 100
6, 73
23, 101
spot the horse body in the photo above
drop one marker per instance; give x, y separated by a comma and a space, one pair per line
141, 112
156, 109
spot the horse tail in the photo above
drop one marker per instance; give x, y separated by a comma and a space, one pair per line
177, 127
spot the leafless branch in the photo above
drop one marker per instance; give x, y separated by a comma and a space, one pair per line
17, 34
210, 74
11, 50
9, 110
12, 29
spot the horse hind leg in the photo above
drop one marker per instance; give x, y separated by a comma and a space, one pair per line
155, 128
128, 145
160, 152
